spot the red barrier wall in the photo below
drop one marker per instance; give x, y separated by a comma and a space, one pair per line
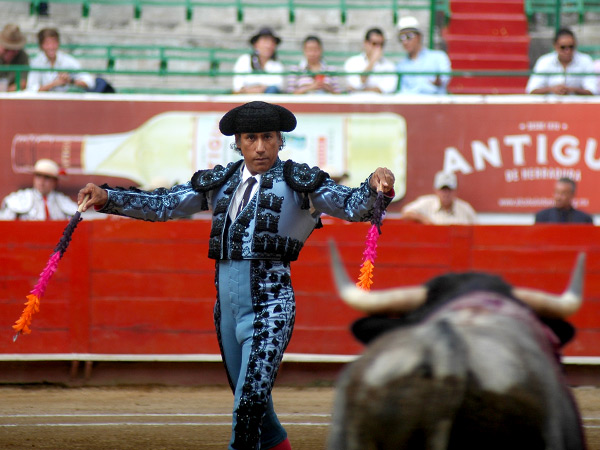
130, 287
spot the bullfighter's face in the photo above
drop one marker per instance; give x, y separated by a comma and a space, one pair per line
259, 150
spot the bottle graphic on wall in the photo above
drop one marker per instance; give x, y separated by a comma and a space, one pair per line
173, 145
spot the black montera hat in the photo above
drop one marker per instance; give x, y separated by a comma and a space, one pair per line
257, 117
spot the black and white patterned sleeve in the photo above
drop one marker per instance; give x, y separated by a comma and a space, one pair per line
158, 205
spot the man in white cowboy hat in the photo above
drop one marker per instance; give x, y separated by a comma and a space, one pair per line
42, 201
12, 42
420, 59
442, 207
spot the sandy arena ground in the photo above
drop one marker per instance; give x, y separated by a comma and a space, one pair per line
169, 418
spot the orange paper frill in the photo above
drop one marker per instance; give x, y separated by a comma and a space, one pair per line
365, 279
31, 307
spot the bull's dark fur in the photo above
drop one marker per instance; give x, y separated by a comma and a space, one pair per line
473, 368
443, 289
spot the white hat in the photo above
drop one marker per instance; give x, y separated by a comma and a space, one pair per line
46, 167
408, 23
445, 179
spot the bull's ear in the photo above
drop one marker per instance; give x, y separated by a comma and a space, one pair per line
562, 306
373, 302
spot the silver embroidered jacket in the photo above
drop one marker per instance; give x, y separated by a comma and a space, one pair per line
275, 224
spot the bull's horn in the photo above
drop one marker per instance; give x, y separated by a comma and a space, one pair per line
561, 306
391, 300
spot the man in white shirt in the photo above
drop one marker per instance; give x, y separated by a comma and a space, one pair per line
563, 66
42, 201
52, 58
443, 207
371, 60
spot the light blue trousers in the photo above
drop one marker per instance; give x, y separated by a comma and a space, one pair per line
254, 317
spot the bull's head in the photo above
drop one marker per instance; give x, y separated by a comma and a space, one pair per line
406, 299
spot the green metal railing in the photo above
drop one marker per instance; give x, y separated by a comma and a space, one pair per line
209, 74
554, 9
214, 57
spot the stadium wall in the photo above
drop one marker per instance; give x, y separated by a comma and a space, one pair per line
133, 291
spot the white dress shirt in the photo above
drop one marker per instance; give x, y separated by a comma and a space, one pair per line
243, 66
239, 194
430, 206
35, 79
358, 63
549, 63
28, 204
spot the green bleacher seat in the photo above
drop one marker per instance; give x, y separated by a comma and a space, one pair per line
343, 6
551, 7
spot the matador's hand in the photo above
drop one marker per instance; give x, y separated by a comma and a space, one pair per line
383, 180
97, 196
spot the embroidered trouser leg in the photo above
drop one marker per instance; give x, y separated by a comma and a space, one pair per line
254, 316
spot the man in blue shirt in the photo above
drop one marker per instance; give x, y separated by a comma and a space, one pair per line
420, 59
563, 211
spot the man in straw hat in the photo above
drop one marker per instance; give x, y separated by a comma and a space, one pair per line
42, 201
263, 211
12, 42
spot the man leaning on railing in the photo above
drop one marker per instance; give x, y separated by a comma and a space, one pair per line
52, 58
561, 72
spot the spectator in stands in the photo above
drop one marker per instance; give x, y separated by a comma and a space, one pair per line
420, 59
371, 60
563, 211
53, 58
565, 62
597, 70
263, 59
12, 44
311, 79
443, 207
42, 201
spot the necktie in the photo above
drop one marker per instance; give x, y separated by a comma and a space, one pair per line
246, 197
46, 208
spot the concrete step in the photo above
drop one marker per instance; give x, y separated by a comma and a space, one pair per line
470, 61
487, 44
487, 6
480, 82
488, 25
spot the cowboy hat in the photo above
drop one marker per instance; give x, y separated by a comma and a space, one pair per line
11, 37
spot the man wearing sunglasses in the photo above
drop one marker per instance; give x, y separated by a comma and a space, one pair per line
371, 60
560, 72
420, 59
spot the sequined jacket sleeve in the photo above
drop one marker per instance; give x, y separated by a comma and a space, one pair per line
156, 206
352, 204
